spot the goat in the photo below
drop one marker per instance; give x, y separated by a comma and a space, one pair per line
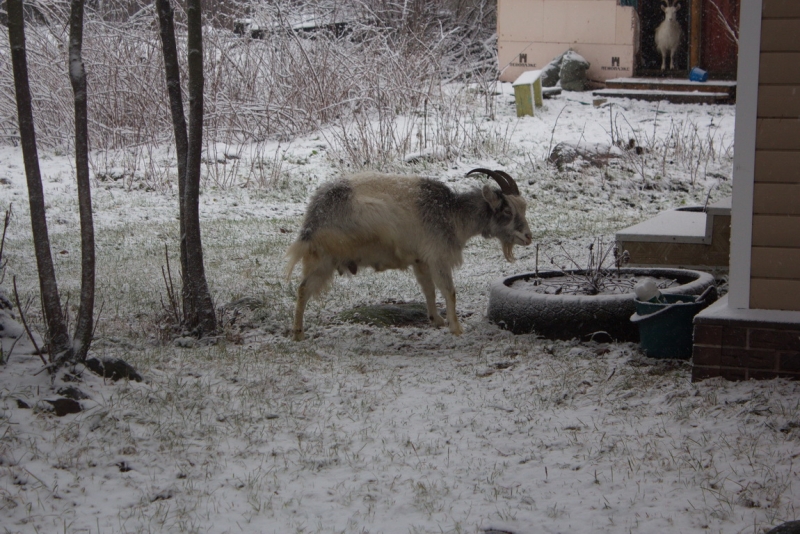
669, 34
393, 222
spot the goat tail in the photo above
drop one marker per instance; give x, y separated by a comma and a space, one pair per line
296, 252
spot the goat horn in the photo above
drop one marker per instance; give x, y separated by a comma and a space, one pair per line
511, 182
506, 183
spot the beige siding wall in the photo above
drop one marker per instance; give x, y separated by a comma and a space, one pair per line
530, 33
775, 267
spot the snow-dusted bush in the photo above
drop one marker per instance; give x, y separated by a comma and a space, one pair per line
288, 83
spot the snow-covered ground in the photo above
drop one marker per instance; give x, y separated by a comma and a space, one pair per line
397, 430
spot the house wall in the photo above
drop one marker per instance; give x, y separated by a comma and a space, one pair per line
531, 33
754, 331
744, 351
775, 254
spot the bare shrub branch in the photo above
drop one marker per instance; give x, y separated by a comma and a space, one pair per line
383, 56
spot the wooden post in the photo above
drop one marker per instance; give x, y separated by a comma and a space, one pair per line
528, 92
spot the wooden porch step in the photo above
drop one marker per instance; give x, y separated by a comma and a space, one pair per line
686, 237
676, 97
677, 90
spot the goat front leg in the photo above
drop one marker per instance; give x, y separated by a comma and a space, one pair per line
443, 278
423, 274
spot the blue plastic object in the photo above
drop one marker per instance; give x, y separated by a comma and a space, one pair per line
698, 75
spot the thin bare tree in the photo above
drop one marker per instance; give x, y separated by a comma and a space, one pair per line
77, 75
198, 308
62, 348
58, 336
169, 48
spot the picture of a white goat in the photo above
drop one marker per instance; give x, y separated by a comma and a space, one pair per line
395, 222
669, 34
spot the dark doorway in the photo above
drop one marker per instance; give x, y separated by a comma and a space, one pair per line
718, 45
710, 38
649, 59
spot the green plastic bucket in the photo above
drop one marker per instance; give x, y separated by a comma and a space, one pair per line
665, 327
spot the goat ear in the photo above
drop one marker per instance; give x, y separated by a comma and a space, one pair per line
664, 9
492, 197
677, 6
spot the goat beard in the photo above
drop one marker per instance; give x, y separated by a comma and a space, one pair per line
508, 252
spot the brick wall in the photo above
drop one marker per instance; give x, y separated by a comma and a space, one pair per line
741, 351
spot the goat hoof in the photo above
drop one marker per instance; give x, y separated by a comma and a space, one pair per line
456, 330
298, 335
437, 320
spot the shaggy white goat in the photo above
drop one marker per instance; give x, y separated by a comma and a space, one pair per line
669, 35
393, 222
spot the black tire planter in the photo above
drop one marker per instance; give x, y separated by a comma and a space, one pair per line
581, 316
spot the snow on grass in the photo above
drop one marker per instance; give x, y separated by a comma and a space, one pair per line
394, 430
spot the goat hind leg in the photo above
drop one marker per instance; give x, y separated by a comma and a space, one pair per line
423, 274
444, 281
299, 310
311, 285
